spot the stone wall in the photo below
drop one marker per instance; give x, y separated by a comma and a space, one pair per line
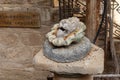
17, 49
19, 45
41, 2
44, 7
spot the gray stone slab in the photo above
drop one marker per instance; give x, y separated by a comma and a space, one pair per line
93, 63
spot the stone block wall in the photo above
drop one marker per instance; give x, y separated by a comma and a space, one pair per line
41, 2
19, 45
44, 2
17, 49
44, 7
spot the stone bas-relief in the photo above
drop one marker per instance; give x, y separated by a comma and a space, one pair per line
66, 42
19, 19
43, 7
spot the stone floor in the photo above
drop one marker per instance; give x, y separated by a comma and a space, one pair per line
17, 48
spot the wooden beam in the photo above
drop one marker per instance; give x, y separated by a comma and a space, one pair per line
92, 18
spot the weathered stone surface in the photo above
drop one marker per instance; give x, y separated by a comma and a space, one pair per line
22, 74
19, 19
92, 64
31, 39
83, 77
74, 52
45, 12
17, 48
44, 7
39, 2
19, 45
12, 1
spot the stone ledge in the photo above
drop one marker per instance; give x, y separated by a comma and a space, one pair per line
83, 77
92, 64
